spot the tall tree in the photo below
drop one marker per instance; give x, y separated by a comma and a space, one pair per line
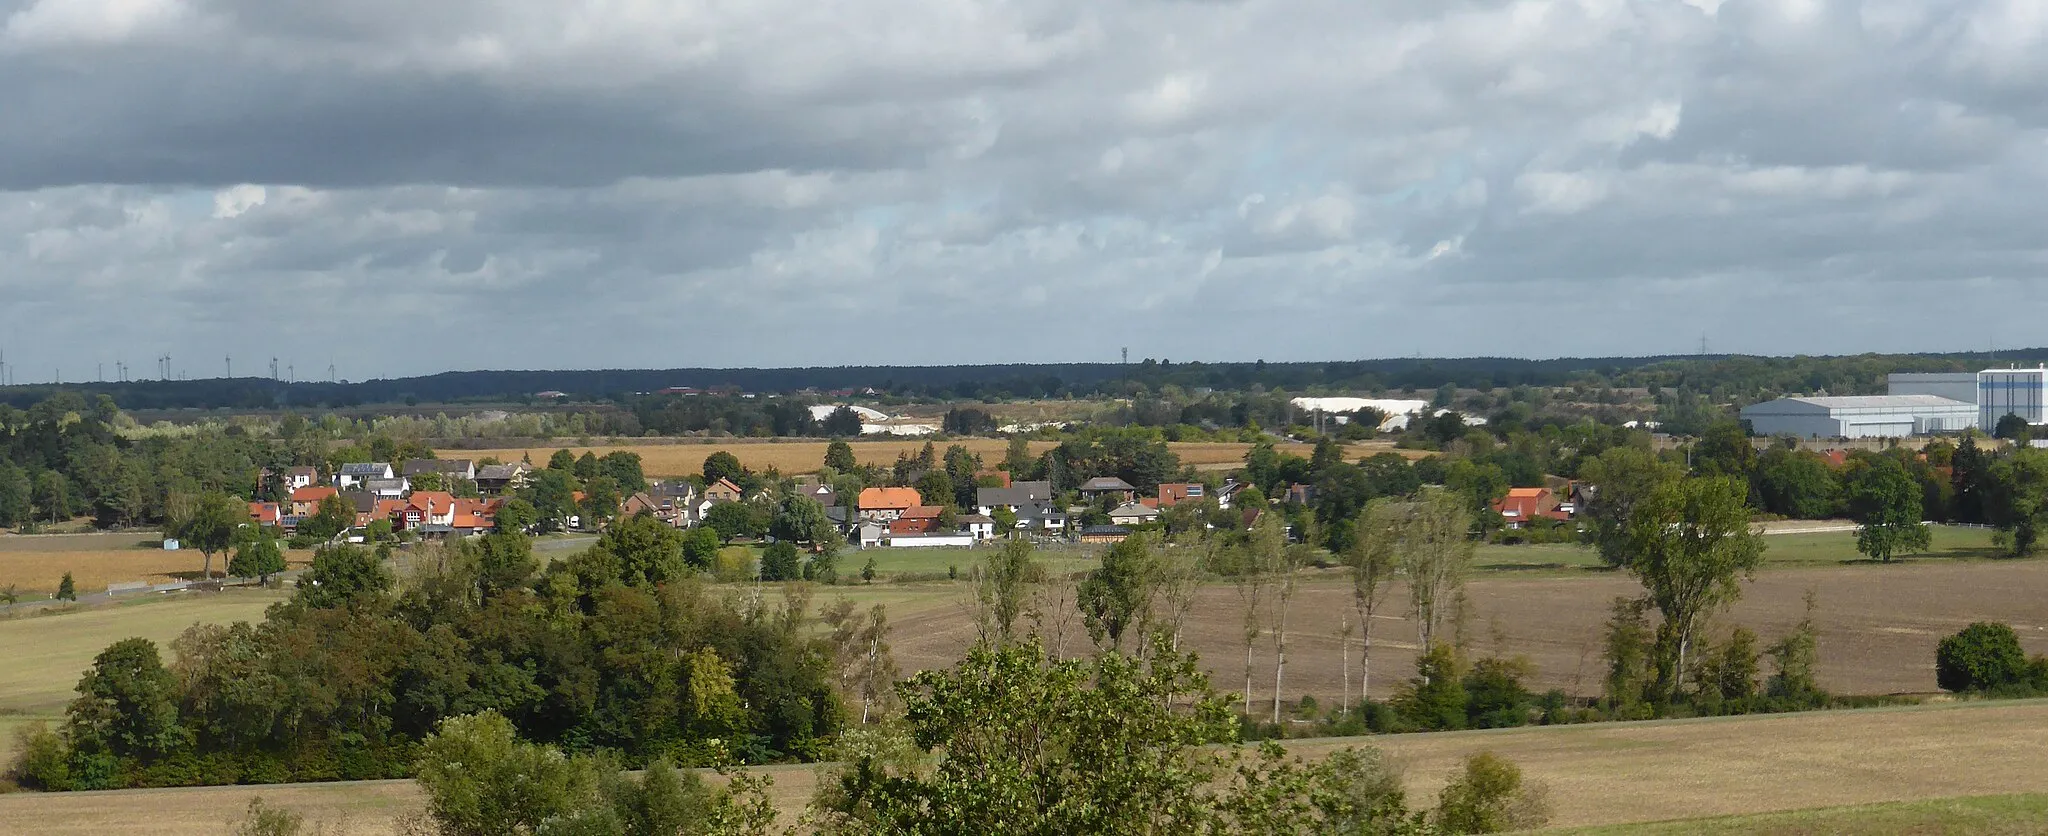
1885, 501
1436, 550
1691, 543
211, 528
1621, 478
1116, 597
1372, 559
1003, 589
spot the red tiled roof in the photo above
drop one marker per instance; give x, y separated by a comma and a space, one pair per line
438, 500
313, 493
886, 499
923, 512
265, 513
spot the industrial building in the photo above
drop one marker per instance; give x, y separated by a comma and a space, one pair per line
1873, 416
1955, 386
2002, 392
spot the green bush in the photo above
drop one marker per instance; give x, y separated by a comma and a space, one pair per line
1984, 656
1489, 797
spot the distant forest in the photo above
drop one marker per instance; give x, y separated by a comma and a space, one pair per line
1722, 378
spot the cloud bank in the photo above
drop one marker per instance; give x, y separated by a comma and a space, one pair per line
407, 187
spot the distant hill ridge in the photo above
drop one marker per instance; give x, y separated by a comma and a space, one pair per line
1846, 374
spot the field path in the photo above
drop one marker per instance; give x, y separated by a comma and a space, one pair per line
1607, 773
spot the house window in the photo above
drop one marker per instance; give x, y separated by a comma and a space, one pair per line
1194, 491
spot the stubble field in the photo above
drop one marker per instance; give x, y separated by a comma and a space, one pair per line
669, 460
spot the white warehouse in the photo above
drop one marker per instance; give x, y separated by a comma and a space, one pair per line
1872, 416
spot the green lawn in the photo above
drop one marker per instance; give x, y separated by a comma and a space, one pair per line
1782, 550
1992, 815
41, 656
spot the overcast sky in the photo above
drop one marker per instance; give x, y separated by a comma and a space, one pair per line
409, 186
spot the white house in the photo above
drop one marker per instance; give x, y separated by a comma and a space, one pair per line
981, 527
354, 474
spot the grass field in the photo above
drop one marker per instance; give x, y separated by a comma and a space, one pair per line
792, 457
44, 654
1991, 815
1599, 776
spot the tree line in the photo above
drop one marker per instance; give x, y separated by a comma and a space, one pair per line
621, 649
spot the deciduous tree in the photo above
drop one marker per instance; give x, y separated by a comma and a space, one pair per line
1885, 501
1690, 543
211, 528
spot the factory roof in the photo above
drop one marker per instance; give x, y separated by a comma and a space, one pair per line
1880, 402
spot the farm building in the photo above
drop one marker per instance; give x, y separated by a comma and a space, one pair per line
1871, 416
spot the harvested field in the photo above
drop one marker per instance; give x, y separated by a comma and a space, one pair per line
684, 457
1601, 774
37, 563
1878, 624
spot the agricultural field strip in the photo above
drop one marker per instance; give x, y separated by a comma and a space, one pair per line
1599, 774
792, 457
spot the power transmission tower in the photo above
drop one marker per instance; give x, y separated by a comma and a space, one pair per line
273, 368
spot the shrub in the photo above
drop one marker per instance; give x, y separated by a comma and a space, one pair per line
1489, 797
1985, 655
44, 762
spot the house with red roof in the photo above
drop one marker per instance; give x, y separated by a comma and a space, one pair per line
305, 501
887, 504
265, 513
1522, 505
426, 509
923, 519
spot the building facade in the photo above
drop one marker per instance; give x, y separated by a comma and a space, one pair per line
2002, 392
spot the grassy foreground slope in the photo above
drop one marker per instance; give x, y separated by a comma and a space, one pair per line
1597, 775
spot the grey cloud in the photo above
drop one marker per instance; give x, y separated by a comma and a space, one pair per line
779, 182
